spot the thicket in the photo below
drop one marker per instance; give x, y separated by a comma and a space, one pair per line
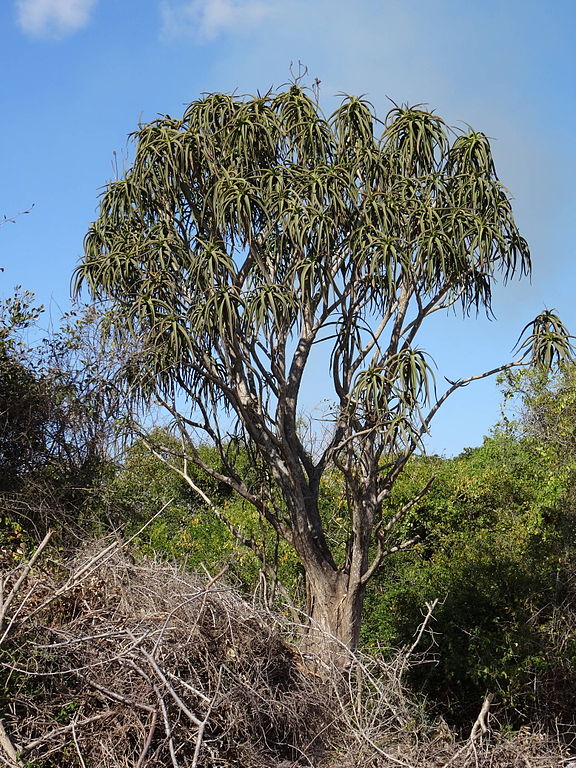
495, 547
494, 534
59, 413
114, 663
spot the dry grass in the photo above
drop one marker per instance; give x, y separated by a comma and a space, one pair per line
115, 664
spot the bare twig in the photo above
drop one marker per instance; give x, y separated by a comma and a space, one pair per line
168, 685
22, 578
65, 729
12, 219
422, 628
167, 728
480, 724
8, 747
77, 745
119, 697
148, 742
178, 701
202, 727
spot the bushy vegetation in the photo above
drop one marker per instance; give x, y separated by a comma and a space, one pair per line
59, 411
493, 536
496, 550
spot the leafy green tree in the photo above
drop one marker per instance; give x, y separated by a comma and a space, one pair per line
494, 549
57, 415
542, 407
254, 231
24, 399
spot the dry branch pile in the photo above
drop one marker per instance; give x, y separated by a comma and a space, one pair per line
115, 664
141, 665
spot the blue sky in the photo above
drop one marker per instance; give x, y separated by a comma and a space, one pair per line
80, 74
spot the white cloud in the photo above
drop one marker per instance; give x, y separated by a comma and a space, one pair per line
53, 18
209, 18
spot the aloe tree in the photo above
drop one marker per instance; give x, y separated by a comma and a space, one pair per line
254, 231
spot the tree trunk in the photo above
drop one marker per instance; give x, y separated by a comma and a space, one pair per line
334, 611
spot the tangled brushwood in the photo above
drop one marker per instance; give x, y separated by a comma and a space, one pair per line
111, 663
